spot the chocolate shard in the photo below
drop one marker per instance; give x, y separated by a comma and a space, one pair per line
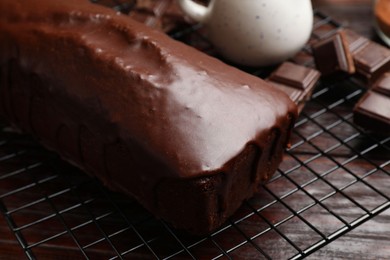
296, 81
185, 134
295, 75
371, 61
370, 58
383, 85
332, 55
372, 112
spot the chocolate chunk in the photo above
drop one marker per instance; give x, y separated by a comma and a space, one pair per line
372, 111
296, 81
295, 75
383, 85
332, 54
372, 60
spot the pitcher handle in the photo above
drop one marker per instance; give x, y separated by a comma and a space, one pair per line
195, 11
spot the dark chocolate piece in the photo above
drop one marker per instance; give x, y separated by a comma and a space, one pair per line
332, 54
372, 112
185, 134
294, 75
372, 60
383, 85
296, 81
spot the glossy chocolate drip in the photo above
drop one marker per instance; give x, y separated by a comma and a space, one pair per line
142, 112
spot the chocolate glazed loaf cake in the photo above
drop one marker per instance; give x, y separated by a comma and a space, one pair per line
186, 135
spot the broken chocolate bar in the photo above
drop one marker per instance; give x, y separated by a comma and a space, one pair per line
296, 81
372, 112
372, 60
383, 85
332, 55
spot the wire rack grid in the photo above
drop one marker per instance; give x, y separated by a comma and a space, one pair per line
332, 180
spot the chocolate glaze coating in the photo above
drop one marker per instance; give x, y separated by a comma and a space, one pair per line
186, 135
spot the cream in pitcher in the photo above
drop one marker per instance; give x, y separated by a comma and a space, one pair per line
254, 32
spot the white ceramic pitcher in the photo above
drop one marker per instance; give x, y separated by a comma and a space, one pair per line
254, 32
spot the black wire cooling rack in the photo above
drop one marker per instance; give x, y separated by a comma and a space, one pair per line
333, 178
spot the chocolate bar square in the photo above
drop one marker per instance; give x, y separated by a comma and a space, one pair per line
332, 54
372, 112
383, 85
294, 75
296, 81
372, 60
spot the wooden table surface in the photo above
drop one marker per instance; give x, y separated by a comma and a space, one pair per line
368, 241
